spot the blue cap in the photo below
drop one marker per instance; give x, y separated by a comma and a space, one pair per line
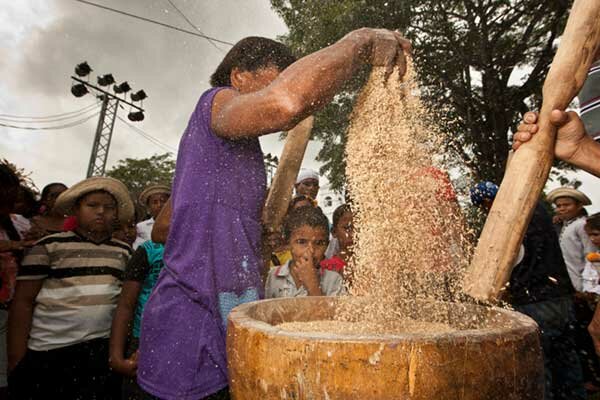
483, 190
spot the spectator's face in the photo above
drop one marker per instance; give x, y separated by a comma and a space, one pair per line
96, 212
567, 208
344, 231
52, 195
308, 187
156, 202
594, 235
126, 233
309, 242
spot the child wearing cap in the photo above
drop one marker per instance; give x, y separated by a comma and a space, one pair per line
67, 290
154, 199
306, 229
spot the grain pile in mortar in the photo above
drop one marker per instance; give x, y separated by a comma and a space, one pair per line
410, 238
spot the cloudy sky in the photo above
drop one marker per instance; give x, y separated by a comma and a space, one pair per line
42, 40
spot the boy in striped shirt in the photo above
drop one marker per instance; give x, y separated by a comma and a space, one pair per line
67, 290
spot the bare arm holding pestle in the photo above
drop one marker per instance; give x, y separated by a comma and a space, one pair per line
573, 145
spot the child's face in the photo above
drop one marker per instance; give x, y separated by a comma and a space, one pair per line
594, 235
96, 212
310, 242
344, 231
567, 208
156, 202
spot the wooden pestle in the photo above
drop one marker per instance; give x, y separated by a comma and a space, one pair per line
280, 193
528, 170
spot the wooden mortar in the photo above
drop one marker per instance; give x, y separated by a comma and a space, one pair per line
496, 356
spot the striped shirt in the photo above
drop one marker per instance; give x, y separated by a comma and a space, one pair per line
81, 285
589, 101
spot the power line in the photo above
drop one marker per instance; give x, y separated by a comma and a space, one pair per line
192, 24
155, 22
49, 118
148, 137
43, 128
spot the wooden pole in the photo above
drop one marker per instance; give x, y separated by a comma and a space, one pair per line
280, 193
528, 171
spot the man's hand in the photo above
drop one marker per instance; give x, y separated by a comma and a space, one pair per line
387, 49
570, 137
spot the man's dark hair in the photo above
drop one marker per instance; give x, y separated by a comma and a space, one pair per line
251, 54
593, 222
337, 214
305, 216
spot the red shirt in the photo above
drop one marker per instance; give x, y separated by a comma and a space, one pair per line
334, 263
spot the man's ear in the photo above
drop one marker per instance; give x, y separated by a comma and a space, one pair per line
238, 78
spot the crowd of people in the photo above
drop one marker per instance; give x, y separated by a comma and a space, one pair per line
100, 302
75, 281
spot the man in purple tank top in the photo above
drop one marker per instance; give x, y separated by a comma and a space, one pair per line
212, 256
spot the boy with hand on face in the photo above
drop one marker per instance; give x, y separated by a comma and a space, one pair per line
307, 231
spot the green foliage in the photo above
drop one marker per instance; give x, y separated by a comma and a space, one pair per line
468, 54
137, 174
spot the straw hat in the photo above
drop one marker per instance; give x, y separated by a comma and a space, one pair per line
67, 199
154, 189
569, 192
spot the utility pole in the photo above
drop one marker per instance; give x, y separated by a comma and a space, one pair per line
108, 113
104, 130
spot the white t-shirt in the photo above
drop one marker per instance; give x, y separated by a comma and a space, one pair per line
144, 232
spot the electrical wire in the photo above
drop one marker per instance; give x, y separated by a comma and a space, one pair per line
155, 22
148, 136
192, 24
49, 118
43, 128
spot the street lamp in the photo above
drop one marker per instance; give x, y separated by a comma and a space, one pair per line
79, 90
122, 88
136, 116
138, 96
83, 69
106, 80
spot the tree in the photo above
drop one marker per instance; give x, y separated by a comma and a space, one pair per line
470, 55
137, 174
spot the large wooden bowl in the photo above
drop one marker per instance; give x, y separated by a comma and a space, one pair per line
496, 354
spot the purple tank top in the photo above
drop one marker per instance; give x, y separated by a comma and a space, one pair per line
212, 261
217, 198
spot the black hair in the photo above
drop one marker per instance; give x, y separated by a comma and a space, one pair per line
9, 184
305, 216
593, 222
297, 199
27, 196
47, 188
337, 214
251, 54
